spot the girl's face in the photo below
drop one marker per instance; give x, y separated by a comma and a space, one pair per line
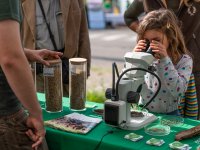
158, 36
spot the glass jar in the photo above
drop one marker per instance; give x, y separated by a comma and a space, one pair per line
77, 83
33, 71
53, 85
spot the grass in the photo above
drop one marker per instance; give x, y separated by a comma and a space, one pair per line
96, 96
97, 84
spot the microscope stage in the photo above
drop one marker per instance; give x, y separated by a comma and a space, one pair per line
137, 123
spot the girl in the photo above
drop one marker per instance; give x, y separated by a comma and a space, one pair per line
173, 62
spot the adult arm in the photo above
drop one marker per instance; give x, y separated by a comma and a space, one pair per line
131, 15
17, 71
41, 55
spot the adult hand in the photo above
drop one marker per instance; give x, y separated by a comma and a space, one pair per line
159, 49
41, 55
36, 132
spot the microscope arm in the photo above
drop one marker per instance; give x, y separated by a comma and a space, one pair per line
141, 69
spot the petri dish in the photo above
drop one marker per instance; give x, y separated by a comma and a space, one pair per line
157, 129
137, 111
172, 120
98, 111
137, 114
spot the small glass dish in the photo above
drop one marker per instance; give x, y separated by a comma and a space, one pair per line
98, 111
172, 120
156, 129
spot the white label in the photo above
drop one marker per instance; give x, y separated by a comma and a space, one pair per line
48, 72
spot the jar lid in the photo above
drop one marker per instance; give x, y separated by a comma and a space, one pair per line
77, 61
54, 61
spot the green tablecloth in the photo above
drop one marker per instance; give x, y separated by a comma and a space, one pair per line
59, 140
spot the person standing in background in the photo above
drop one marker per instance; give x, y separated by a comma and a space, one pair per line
68, 24
188, 14
18, 130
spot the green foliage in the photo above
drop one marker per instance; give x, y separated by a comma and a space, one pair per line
96, 96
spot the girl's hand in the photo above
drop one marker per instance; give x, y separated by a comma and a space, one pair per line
159, 49
140, 46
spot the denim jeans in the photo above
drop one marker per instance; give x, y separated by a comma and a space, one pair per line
12, 133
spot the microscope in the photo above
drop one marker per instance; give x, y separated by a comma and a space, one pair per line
117, 107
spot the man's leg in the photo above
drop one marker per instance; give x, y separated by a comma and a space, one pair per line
66, 90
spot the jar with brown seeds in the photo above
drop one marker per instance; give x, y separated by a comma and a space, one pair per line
53, 85
77, 83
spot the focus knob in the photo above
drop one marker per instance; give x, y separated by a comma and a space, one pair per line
133, 97
108, 93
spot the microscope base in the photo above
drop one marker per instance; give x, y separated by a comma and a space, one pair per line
139, 122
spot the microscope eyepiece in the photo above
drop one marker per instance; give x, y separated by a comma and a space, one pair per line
147, 45
148, 49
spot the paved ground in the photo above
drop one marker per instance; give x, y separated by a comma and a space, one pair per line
108, 46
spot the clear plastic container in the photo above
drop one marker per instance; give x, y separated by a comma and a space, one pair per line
53, 85
77, 83
172, 120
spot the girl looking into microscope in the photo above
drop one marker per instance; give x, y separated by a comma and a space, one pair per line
173, 62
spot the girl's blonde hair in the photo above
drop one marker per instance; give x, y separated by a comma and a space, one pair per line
187, 2
165, 21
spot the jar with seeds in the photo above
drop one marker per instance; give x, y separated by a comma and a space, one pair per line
33, 71
77, 83
53, 85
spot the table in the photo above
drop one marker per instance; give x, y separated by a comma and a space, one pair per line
59, 140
